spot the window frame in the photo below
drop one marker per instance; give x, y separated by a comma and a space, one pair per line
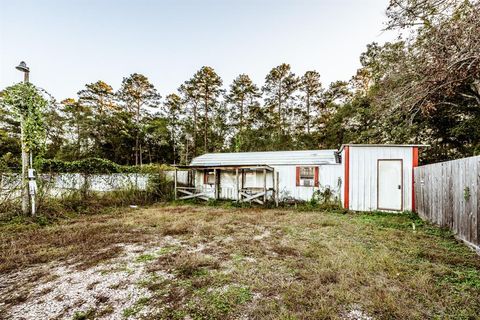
207, 174
314, 179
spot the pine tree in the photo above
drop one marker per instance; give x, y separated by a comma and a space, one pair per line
311, 87
190, 96
137, 93
243, 93
99, 96
173, 110
209, 87
280, 86
77, 117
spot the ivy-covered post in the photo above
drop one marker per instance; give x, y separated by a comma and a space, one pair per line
25, 101
24, 170
22, 66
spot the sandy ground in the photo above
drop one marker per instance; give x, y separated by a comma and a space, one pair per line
59, 291
112, 288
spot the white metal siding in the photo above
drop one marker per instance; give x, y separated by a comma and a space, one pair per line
363, 175
329, 176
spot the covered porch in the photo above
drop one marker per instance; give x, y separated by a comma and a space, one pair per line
242, 183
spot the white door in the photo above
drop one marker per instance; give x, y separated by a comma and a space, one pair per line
390, 185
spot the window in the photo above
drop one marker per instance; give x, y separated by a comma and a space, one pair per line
307, 176
209, 177
249, 179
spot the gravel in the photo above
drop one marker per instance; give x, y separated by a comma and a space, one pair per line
109, 288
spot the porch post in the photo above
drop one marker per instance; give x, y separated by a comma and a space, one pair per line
175, 183
238, 190
277, 188
264, 185
274, 194
215, 184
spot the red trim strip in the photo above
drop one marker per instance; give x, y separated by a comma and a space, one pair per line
315, 177
346, 193
414, 165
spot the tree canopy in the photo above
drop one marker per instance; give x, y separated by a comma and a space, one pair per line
423, 87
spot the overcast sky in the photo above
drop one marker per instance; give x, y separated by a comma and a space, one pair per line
70, 43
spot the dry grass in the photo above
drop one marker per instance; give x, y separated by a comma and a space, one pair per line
269, 263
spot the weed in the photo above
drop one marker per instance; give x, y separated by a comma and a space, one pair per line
84, 315
464, 278
311, 266
136, 308
145, 258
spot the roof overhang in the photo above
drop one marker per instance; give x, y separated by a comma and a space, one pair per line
226, 167
382, 145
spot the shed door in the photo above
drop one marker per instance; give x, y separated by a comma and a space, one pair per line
390, 185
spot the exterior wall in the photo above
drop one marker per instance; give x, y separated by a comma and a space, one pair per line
329, 176
363, 175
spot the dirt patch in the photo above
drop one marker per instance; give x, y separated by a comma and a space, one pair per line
71, 291
186, 262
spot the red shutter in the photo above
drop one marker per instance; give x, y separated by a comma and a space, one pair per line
315, 178
297, 178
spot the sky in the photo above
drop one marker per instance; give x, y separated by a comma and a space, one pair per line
69, 43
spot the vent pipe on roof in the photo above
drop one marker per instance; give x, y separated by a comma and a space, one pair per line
338, 157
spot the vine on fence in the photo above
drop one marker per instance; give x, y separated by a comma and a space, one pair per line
94, 166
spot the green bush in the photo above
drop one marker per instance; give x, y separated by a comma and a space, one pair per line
159, 187
94, 166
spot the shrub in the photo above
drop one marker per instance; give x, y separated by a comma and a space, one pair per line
93, 166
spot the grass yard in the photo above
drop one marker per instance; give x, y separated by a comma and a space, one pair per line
199, 262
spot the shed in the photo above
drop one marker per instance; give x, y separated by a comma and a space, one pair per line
378, 176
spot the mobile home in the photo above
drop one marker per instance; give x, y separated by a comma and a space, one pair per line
363, 177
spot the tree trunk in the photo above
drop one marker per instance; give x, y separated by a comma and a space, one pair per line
241, 114
308, 113
137, 134
78, 139
206, 122
280, 107
194, 147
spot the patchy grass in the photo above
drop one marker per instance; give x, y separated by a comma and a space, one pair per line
229, 263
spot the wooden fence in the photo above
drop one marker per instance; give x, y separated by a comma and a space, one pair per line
448, 194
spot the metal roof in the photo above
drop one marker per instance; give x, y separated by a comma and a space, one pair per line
381, 145
303, 157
